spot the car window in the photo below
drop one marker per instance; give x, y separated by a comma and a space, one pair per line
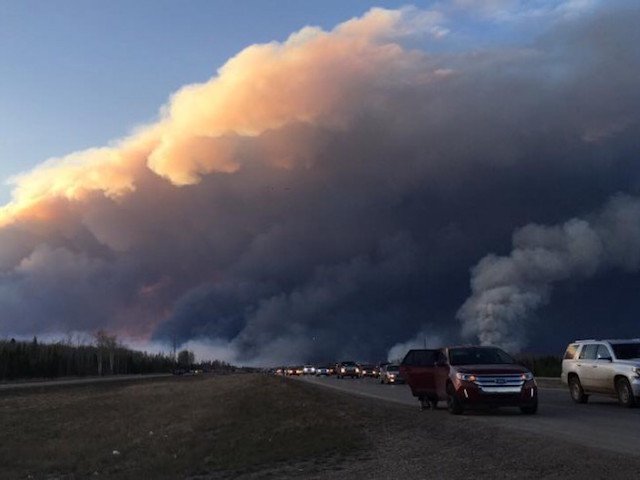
588, 352
408, 359
420, 358
570, 354
479, 356
603, 352
627, 351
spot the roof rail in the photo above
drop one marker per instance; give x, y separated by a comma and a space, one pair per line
608, 340
623, 340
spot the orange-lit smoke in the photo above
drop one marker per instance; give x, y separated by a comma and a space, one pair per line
314, 77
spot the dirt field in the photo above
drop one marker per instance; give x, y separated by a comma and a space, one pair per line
252, 426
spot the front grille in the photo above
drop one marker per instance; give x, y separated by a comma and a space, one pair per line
499, 383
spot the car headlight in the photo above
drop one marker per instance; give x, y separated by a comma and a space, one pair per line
357, 370
342, 370
527, 376
466, 377
392, 375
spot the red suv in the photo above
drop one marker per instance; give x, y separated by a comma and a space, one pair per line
468, 377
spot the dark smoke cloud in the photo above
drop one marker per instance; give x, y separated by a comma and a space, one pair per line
337, 211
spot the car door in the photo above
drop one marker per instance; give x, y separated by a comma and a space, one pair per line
418, 369
586, 367
441, 375
604, 370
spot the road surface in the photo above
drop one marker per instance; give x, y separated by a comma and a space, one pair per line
601, 423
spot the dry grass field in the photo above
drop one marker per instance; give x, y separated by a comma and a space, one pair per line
174, 428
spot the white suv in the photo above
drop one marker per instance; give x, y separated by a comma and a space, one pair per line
611, 367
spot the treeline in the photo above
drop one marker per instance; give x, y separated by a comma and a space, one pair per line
542, 366
33, 359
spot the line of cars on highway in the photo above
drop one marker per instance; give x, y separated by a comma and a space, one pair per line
468, 377
385, 373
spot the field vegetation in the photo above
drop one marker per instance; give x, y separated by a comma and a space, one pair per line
178, 427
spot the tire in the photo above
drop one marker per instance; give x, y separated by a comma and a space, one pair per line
576, 391
530, 409
625, 393
454, 405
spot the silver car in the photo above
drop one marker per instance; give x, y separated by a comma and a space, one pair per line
390, 374
610, 367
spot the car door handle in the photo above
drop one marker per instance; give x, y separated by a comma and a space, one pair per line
579, 364
594, 366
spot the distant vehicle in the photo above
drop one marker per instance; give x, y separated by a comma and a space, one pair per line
367, 370
187, 371
294, 371
390, 373
609, 367
308, 370
468, 377
325, 370
347, 369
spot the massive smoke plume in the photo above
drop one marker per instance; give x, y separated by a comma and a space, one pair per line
326, 196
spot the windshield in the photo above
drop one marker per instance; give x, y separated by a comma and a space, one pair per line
392, 368
479, 356
626, 351
348, 364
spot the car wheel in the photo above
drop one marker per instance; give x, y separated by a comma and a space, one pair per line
625, 394
577, 393
530, 409
453, 402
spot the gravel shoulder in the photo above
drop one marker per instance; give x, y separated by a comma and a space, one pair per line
410, 444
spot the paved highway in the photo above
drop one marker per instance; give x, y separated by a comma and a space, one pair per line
601, 423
